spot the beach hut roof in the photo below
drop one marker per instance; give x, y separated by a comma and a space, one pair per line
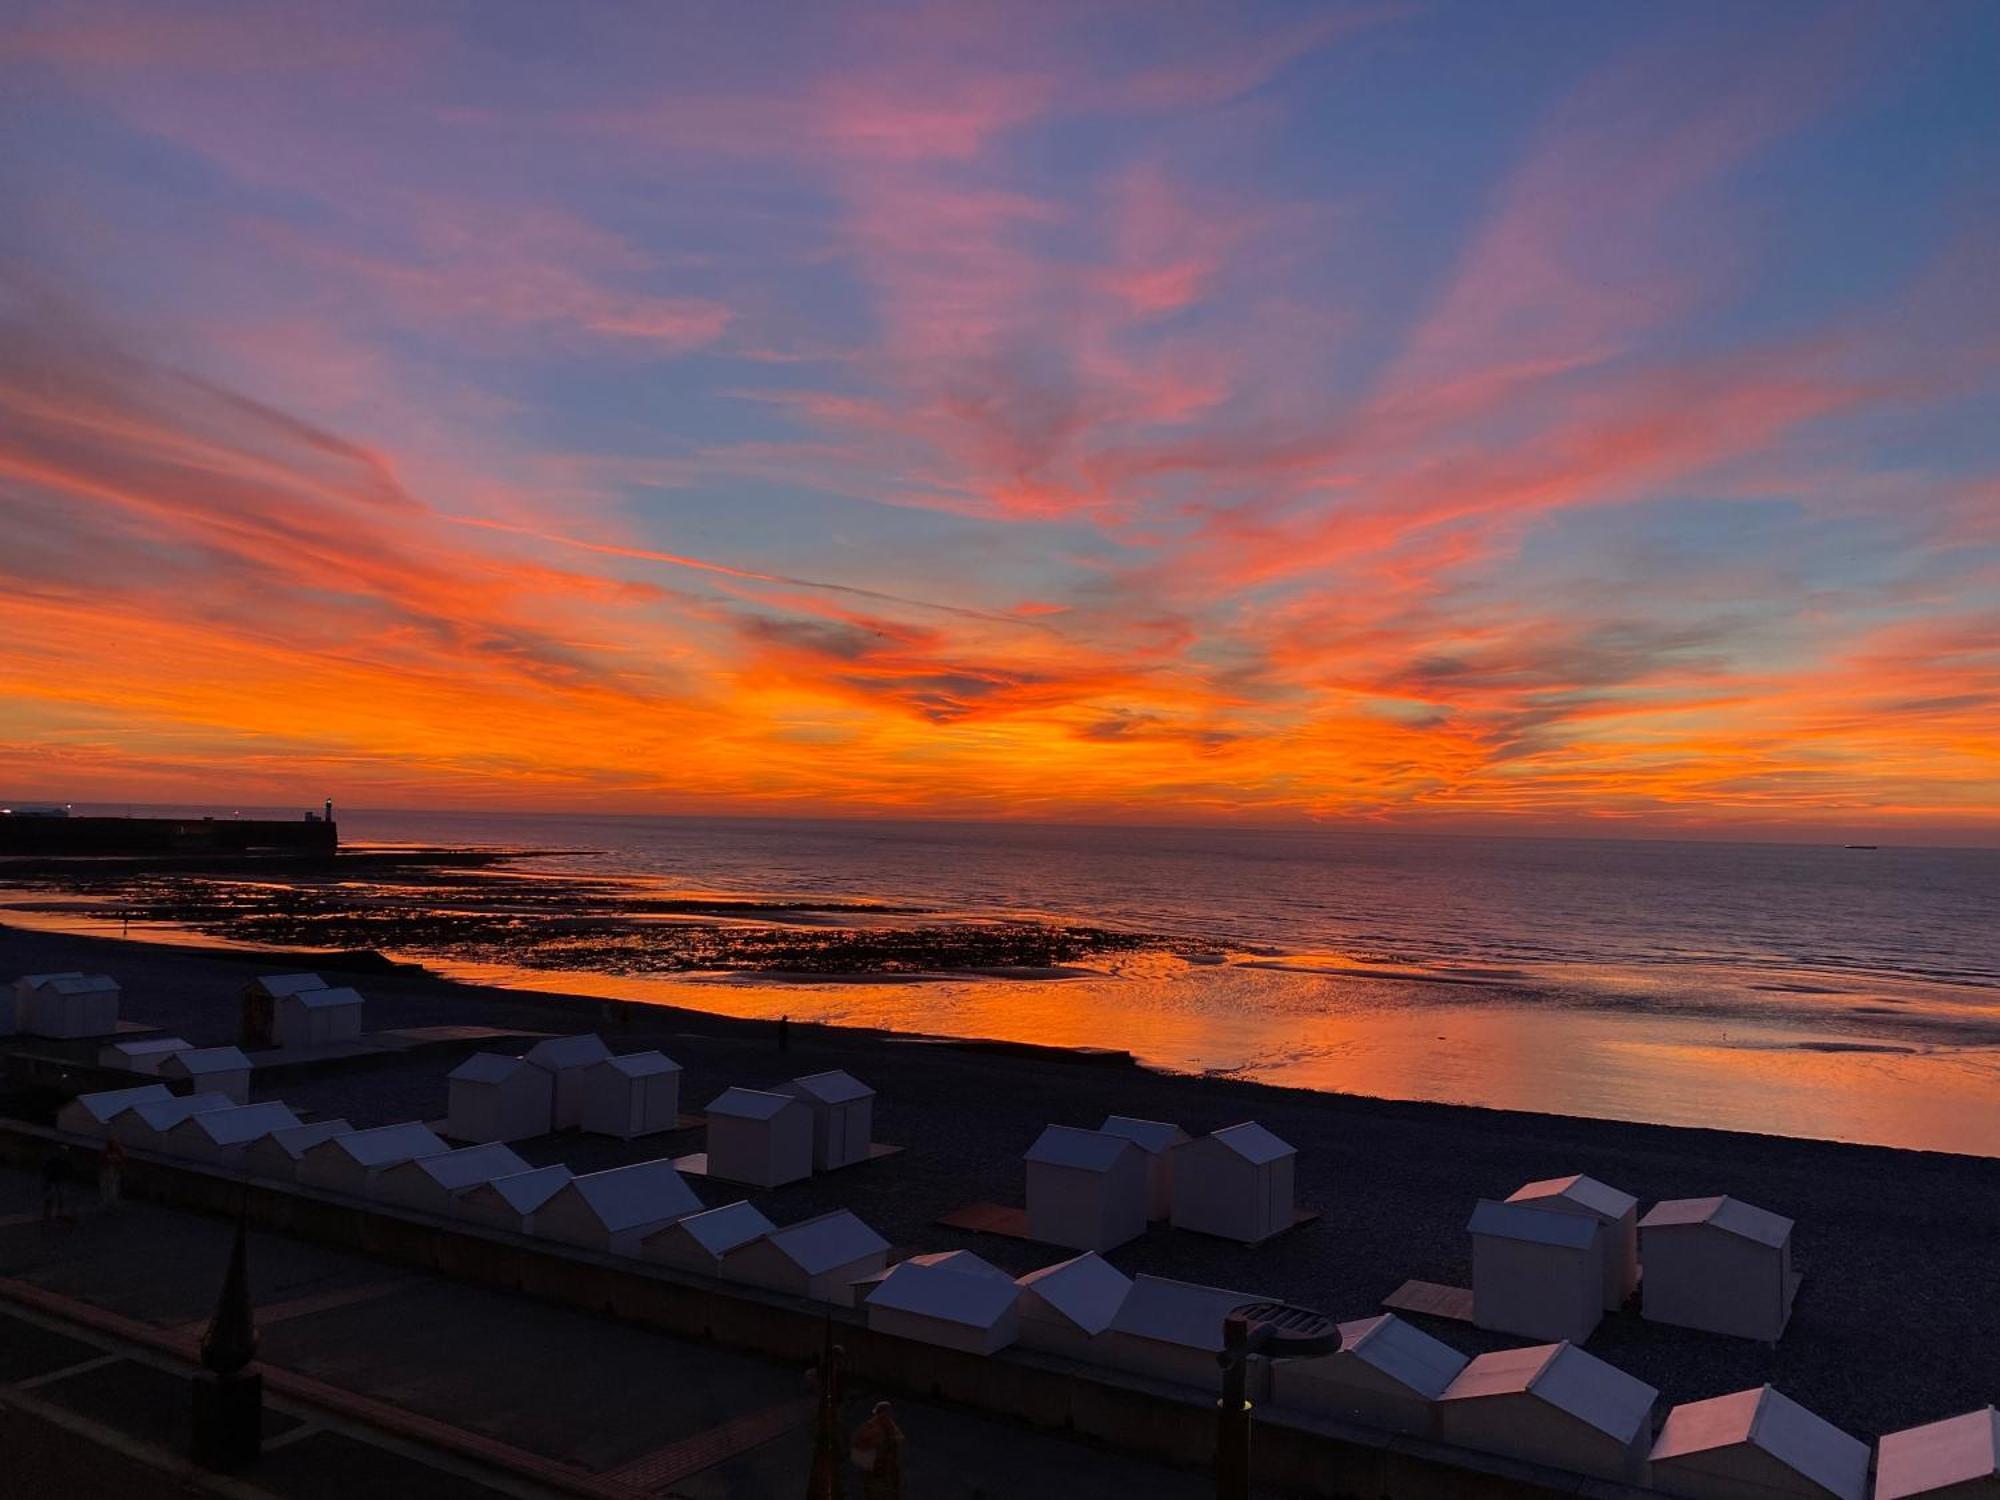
103, 1106
1538, 1226
960, 1262
1585, 1192
1958, 1450
36, 981
722, 1229
1404, 1353
1090, 1150
296, 1140
246, 1122
1770, 1420
1088, 1290
560, 1052
1254, 1143
835, 1087
164, 1114
524, 1192
945, 1288
328, 999
1568, 1379
81, 984
487, 1067
278, 985
208, 1060
469, 1166
751, 1104
819, 1245
642, 1064
1178, 1312
385, 1145
1150, 1136
150, 1045
626, 1197
1725, 1213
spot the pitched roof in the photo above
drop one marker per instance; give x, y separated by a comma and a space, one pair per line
1089, 1150
1404, 1353
1088, 1290
1253, 1142
721, 1229
1958, 1450
642, 1064
945, 1289
276, 985
1725, 1213
78, 984
327, 999
524, 1192
246, 1122
1566, 1378
487, 1067
207, 1060
623, 1198
150, 1045
108, 1103
1585, 1192
1538, 1226
751, 1104
164, 1114
560, 1052
36, 981
296, 1140
1150, 1136
385, 1145
829, 1241
469, 1166
836, 1087
1769, 1420
1178, 1312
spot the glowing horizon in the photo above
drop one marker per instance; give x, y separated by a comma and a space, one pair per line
1566, 420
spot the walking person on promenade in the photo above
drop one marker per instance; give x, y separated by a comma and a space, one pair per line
878, 1454
57, 1175
111, 1174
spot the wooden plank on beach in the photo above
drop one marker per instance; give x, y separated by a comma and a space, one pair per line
989, 1218
1432, 1300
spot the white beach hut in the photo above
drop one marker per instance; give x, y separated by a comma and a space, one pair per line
223, 1137
760, 1138
511, 1203
142, 1056
1552, 1404
317, 1018
633, 1095
277, 1154
66, 1005
1386, 1373
212, 1070
613, 1210
1065, 1306
95, 1114
1086, 1189
259, 1016
843, 1116
350, 1163
1157, 1139
1535, 1272
1172, 1331
1616, 1212
955, 1300
698, 1242
492, 1097
819, 1259
145, 1125
1755, 1444
1956, 1459
1235, 1183
566, 1059
431, 1184
1718, 1265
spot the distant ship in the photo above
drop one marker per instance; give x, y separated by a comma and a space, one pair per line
1862, 846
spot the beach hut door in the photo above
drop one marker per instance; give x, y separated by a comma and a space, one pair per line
837, 1126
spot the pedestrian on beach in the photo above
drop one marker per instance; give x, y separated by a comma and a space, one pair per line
784, 1034
111, 1174
878, 1453
57, 1175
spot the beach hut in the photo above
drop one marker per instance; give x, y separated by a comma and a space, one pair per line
95, 1114
1172, 1331
1157, 1139
258, 1014
492, 1097
630, 1096
1753, 1444
1065, 1306
1956, 1459
350, 1163
843, 1117
1086, 1189
223, 1137
212, 1070
698, 1242
277, 1154
612, 1211
566, 1059
954, 1300
511, 1203
819, 1259
431, 1184
1617, 1213
1718, 1265
145, 1125
317, 1018
142, 1056
763, 1139
1386, 1373
1552, 1404
1536, 1273
1235, 1183
66, 1005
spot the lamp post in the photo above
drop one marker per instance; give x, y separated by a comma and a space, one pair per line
228, 1393
1275, 1330
823, 1483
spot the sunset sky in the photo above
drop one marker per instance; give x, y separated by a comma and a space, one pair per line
1552, 416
